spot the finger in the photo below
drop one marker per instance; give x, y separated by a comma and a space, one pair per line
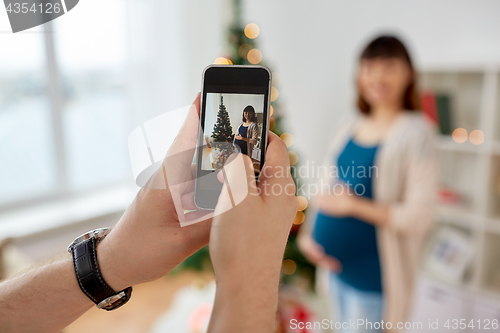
333, 264
180, 154
203, 215
317, 252
188, 134
276, 168
176, 166
318, 248
220, 176
187, 201
239, 171
198, 220
311, 250
239, 182
190, 185
328, 264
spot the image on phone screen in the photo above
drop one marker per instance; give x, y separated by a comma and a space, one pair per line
234, 118
233, 123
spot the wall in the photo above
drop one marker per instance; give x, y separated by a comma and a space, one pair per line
170, 43
314, 46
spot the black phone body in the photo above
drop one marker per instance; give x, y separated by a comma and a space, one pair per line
230, 91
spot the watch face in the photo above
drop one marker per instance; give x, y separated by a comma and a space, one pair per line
99, 234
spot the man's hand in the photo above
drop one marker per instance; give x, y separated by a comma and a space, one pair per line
247, 242
149, 241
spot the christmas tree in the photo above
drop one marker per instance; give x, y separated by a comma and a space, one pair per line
242, 50
223, 132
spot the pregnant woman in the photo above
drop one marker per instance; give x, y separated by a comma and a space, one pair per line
370, 227
247, 131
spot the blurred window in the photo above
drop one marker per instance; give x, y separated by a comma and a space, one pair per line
64, 110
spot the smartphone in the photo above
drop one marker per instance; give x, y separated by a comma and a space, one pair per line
234, 107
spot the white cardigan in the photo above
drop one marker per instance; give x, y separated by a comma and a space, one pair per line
407, 166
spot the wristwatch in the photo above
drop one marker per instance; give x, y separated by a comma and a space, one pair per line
89, 275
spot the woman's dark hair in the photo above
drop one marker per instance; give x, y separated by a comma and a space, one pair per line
390, 47
250, 108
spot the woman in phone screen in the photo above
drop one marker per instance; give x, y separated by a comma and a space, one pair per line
247, 131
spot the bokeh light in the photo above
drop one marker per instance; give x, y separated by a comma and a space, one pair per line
287, 138
302, 203
252, 30
289, 266
272, 123
254, 56
459, 135
223, 61
476, 137
299, 218
274, 94
272, 111
294, 158
243, 50
200, 317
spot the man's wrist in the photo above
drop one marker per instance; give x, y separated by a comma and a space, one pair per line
113, 272
242, 283
248, 301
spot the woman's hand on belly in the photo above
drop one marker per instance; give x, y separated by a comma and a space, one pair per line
316, 255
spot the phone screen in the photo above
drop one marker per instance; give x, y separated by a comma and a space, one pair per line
234, 119
233, 123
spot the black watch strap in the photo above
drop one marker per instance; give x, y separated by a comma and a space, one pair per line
90, 279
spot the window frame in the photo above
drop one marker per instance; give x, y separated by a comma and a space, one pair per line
54, 94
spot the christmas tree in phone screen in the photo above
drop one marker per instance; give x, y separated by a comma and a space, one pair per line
223, 132
223, 137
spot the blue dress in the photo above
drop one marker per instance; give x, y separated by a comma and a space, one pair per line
242, 130
352, 241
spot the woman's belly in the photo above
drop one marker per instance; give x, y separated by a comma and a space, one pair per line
346, 238
242, 144
354, 244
